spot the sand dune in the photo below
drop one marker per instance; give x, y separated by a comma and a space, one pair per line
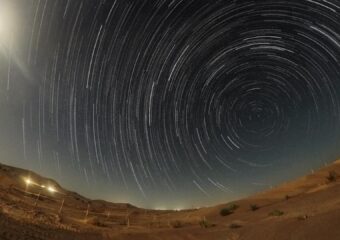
307, 208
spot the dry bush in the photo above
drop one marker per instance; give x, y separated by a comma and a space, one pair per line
228, 210
234, 225
332, 176
206, 224
97, 222
254, 207
276, 213
177, 224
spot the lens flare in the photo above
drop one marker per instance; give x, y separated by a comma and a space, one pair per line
7, 23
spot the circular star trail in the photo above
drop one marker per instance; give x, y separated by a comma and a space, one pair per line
172, 103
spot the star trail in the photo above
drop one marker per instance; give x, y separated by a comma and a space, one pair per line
169, 103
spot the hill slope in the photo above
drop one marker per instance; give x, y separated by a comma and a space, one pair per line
307, 208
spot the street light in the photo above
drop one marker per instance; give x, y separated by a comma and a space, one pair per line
51, 189
28, 181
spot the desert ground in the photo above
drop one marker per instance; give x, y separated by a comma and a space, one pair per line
304, 209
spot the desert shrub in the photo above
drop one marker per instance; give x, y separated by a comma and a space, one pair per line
287, 197
233, 207
254, 207
228, 210
203, 223
302, 217
206, 224
225, 212
97, 222
276, 213
332, 176
177, 224
5, 169
234, 225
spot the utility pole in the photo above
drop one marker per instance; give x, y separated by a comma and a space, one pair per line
87, 211
36, 200
61, 207
127, 218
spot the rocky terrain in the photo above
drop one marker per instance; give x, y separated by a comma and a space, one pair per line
34, 207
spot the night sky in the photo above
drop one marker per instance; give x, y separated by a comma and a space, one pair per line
169, 104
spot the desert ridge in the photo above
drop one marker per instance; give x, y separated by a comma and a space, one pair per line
35, 207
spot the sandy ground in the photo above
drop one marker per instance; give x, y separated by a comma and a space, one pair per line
305, 209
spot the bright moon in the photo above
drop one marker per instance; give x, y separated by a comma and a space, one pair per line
6, 23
